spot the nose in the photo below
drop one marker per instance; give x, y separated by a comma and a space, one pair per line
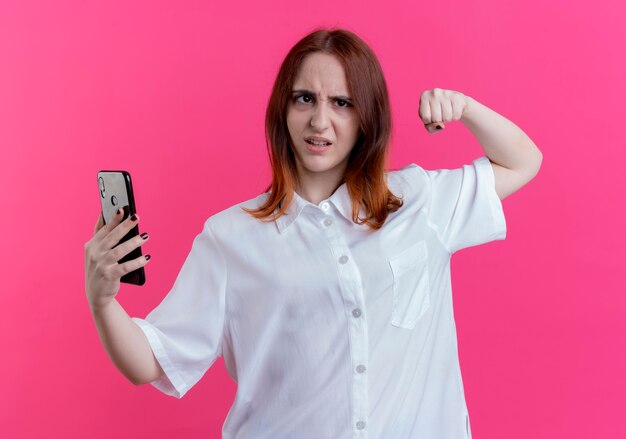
320, 119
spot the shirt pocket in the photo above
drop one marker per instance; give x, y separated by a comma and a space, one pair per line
411, 285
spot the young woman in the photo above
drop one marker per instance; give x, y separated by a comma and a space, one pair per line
329, 294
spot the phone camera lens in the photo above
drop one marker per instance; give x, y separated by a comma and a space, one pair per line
114, 200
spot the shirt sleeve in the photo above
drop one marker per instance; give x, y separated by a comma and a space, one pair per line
185, 330
464, 208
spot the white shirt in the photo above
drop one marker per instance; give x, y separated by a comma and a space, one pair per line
330, 330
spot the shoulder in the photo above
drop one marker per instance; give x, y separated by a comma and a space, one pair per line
408, 174
413, 174
234, 221
409, 180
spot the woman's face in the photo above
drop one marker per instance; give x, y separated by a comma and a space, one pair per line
322, 122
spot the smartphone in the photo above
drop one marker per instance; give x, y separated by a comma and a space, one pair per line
116, 192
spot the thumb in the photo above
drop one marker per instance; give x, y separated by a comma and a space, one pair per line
99, 224
434, 127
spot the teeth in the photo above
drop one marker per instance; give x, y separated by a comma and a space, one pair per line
316, 143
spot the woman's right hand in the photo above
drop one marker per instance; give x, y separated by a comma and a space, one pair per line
102, 271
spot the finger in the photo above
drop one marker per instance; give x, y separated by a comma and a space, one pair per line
129, 266
117, 253
120, 230
424, 111
446, 110
117, 217
107, 227
435, 111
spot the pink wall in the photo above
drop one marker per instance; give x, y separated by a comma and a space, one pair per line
175, 93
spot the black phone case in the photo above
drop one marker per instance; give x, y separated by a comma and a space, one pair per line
116, 191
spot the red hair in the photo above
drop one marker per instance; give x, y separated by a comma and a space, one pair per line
365, 172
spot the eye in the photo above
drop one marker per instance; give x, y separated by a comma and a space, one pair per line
304, 99
342, 103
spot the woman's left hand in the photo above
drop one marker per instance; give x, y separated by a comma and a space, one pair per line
438, 106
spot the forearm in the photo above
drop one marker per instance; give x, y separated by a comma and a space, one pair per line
504, 142
126, 344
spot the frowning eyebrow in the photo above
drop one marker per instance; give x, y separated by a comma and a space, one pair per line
309, 92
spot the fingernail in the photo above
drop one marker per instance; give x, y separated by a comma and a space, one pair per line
117, 212
439, 127
147, 257
144, 235
133, 218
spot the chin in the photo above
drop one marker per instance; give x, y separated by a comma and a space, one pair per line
317, 168
329, 161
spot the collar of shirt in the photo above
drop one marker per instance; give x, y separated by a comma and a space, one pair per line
340, 199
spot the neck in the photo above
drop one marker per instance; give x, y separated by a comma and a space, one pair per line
317, 186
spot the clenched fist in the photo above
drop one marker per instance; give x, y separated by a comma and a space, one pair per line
439, 106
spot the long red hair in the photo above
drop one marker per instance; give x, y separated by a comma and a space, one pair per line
365, 172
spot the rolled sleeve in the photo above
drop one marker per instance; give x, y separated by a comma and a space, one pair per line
465, 209
185, 330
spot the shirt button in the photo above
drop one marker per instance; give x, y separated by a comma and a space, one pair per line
328, 222
360, 425
324, 206
360, 368
343, 259
356, 312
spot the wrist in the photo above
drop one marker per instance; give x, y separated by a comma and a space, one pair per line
469, 110
99, 307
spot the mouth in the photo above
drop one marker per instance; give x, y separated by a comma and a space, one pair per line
318, 141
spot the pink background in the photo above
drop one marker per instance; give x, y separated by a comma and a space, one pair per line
175, 93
